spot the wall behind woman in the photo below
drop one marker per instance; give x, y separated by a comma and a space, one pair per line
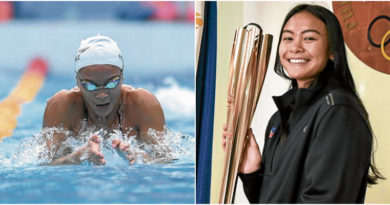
372, 86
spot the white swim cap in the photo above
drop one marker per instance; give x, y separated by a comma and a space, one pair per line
98, 50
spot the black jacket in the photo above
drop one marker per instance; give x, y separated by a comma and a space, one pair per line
324, 155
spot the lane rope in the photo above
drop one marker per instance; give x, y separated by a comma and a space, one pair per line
24, 92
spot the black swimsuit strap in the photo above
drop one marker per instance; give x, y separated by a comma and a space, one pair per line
86, 111
120, 116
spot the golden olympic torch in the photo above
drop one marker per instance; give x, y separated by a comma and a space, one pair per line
248, 66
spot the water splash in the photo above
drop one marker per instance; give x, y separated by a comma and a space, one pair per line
169, 147
172, 95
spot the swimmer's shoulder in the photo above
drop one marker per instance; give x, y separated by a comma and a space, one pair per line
64, 108
135, 96
142, 109
128, 88
66, 98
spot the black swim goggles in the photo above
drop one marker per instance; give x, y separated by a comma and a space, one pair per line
110, 85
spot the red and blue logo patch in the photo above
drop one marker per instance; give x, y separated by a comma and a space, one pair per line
272, 132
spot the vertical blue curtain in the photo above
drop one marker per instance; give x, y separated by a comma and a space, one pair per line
205, 96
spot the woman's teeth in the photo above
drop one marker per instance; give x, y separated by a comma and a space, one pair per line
298, 60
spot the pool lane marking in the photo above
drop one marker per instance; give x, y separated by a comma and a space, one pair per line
26, 90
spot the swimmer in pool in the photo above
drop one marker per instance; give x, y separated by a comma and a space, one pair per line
100, 100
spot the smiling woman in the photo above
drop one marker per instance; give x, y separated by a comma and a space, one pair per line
304, 49
318, 144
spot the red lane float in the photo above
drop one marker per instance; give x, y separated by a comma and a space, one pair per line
24, 92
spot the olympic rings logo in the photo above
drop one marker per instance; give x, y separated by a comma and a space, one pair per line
383, 46
383, 43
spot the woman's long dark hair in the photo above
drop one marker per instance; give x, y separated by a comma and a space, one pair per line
336, 70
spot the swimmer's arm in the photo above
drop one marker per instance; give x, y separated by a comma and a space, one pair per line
141, 111
151, 115
56, 115
71, 159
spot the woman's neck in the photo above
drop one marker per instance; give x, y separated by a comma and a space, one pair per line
110, 121
304, 83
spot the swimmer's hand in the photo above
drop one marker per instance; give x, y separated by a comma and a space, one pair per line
91, 152
125, 151
123, 148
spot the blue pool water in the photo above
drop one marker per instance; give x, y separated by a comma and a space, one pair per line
98, 184
24, 181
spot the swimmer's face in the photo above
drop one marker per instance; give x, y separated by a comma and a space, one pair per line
304, 49
103, 100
